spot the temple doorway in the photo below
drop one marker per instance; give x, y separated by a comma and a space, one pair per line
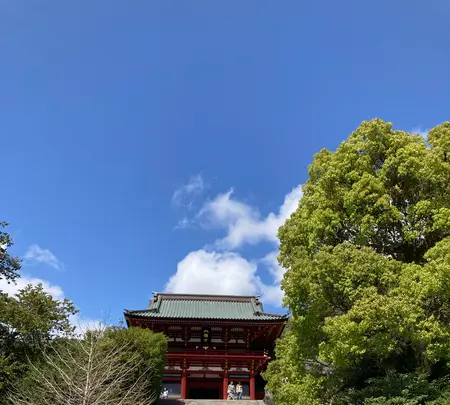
204, 393
204, 389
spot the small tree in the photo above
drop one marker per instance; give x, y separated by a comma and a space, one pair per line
28, 323
152, 348
102, 368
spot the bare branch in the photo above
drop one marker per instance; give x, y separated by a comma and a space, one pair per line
88, 371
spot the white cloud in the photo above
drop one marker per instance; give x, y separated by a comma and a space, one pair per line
185, 195
203, 272
222, 271
422, 132
271, 262
11, 289
243, 223
223, 210
37, 254
82, 324
184, 223
272, 294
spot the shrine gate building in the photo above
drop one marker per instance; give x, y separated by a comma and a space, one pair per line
213, 339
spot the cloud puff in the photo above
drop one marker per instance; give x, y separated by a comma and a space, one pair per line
184, 195
83, 324
37, 254
244, 223
204, 272
218, 269
11, 289
271, 262
422, 132
272, 294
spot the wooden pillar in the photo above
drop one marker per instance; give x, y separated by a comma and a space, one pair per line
252, 387
252, 381
183, 386
183, 381
225, 386
225, 381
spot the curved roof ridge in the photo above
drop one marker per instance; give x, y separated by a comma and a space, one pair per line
206, 297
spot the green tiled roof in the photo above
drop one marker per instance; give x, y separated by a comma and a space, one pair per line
205, 307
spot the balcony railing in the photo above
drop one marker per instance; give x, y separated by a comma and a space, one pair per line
217, 353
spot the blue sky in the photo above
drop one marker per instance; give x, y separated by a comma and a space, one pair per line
156, 145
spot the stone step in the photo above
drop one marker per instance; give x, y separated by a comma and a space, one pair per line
221, 402
208, 402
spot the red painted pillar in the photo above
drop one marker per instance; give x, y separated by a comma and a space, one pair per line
225, 386
252, 387
183, 386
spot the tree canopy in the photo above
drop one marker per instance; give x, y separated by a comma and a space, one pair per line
29, 320
43, 361
367, 255
9, 265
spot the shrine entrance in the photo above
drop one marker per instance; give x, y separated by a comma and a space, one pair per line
204, 393
204, 389
213, 340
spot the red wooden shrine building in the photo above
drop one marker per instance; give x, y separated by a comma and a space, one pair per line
213, 339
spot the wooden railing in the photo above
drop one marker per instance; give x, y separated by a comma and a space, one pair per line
218, 353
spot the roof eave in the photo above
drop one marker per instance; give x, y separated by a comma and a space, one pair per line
162, 318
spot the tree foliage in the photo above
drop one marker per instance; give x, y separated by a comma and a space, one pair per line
42, 361
9, 265
367, 255
28, 321
35, 316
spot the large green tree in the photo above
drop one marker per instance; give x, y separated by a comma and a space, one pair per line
367, 255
